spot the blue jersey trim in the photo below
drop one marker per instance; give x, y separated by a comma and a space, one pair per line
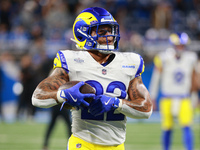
63, 61
140, 68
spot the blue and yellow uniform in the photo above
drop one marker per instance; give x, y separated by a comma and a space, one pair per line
174, 77
106, 131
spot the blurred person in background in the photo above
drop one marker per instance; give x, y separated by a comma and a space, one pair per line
19, 39
29, 81
174, 74
9, 77
56, 114
5, 13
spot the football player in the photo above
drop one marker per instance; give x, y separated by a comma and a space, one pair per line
116, 77
174, 72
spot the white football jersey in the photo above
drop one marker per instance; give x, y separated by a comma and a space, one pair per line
177, 73
111, 80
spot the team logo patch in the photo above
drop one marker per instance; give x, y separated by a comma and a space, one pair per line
78, 145
104, 71
78, 60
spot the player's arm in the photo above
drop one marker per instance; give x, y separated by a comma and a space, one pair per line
45, 94
139, 104
48, 94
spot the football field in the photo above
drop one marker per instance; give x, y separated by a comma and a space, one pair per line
140, 136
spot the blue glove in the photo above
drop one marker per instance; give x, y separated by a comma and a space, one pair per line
74, 97
102, 104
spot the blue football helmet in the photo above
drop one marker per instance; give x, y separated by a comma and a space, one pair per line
95, 17
179, 39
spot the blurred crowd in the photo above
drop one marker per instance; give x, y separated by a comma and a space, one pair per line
42, 27
32, 31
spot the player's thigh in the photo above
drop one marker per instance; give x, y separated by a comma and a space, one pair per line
166, 115
75, 143
186, 112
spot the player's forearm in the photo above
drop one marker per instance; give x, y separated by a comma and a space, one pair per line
125, 109
143, 105
139, 96
45, 95
136, 109
139, 105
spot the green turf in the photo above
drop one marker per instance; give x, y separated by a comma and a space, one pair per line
140, 136
147, 136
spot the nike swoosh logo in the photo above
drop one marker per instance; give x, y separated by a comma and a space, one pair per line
106, 103
55, 64
75, 100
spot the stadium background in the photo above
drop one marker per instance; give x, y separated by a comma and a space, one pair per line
32, 31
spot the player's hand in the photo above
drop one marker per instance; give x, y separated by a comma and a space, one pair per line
102, 104
74, 97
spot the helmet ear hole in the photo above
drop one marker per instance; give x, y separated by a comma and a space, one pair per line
79, 37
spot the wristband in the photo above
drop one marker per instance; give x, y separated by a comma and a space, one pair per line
60, 99
117, 103
120, 104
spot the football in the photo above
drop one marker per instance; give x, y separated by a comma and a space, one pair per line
86, 88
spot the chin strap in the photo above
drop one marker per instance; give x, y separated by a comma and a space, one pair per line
74, 41
78, 47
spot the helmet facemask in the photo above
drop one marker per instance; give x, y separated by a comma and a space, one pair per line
105, 31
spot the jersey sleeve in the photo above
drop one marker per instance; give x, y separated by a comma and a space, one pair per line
140, 68
60, 61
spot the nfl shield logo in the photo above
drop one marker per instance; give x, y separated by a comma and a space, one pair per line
78, 145
104, 71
